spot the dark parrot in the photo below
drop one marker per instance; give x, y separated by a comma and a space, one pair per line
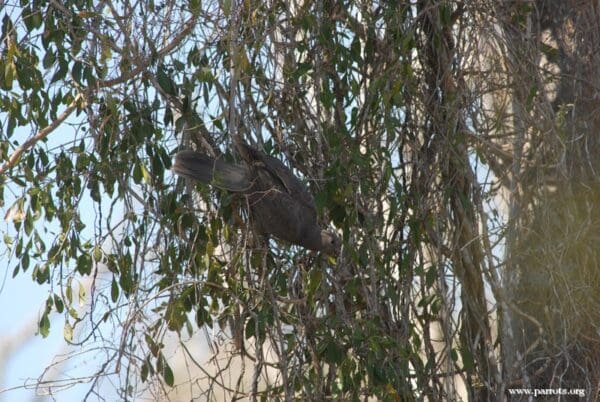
279, 203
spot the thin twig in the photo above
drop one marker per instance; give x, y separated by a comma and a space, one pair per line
43, 133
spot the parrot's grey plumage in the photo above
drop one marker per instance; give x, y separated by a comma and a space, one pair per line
280, 204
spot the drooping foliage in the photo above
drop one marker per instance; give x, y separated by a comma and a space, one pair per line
418, 126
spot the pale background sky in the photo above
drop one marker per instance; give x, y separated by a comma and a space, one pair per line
24, 355
21, 301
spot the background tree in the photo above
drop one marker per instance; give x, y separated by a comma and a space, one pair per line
428, 132
552, 269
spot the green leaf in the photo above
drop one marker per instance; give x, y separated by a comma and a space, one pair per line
153, 346
76, 71
29, 220
144, 372
49, 59
44, 325
302, 69
202, 317
81, 294
60, 73
125, 281
25, 261
250, 328
69, 290
195, 7
15, 213
167, 374
8, 240
467, 359
145, 174
97, 253
332, 352
314, 282
68, 332
10, 71
445, 13
84, 264
168, 117
41, 273
114, 290
16, 270
454, 355
533, 91
226, 7
165, 81
58, 303
137, 173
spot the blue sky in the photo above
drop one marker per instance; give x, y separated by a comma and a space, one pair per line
21, 300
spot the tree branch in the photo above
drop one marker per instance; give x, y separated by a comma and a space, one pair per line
43, 133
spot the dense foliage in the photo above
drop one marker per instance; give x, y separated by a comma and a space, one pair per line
408, 121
